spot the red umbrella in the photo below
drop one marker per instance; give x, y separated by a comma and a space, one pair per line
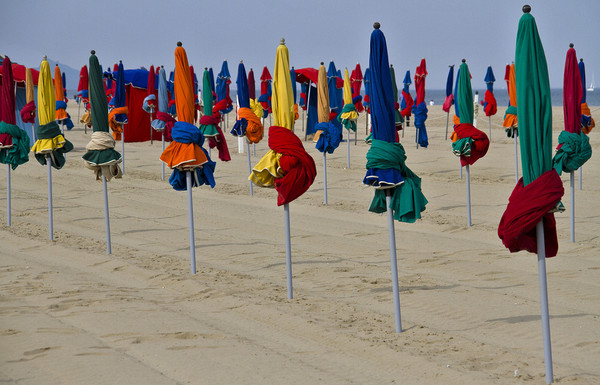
251, 85
420, 108
265, 88
356, 79
7, 95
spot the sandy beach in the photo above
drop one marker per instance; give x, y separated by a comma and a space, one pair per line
70, 314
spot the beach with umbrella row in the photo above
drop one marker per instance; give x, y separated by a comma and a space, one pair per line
470, 308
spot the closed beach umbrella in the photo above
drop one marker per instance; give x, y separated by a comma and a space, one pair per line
331, 84
528, 222
490, 106
209, 122
398, 119
420, 107
223, 82
164, 122
83, 97
101, 156
397, 188
265, 91
449, 101
573, 145
587, 122
185, 154
287, 166
251, 85
59, 96
50, 147
14, 142
510, 116
149, 103
357, 78
407, 102
117, 118
28, 111
348, 116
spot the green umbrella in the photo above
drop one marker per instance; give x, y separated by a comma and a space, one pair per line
101, 156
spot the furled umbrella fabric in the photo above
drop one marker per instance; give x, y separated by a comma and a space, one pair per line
14, 142
185, 152
540, 189
117, 117
386, 158
407, 102
248, 124
587, 122
328, 135
101, 156
223, 82
573, 145
287, 166
449, 101
254, 104
420, 107
208, 122
59, 96
348, 115
164, 122
28, 111
490, 105
50, 140
367, 81
149, 104
357, 78
398, 119
510, 116
265, 91
468, 142
332, 88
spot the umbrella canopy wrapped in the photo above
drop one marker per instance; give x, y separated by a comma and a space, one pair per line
118, 115
287, 166
294, 92
587, 122
59, 96
407, 101
185, 152
28, 110
468, 142
449, 101
14, 142
386, 167
398, 119
331, 85
510, 116
50, 140
356, 77
83, 86
251, 85
573, 145
367, 81
209, 122
101, 156
328, 135
539, 191
223, 82
265, 91
249, 124
348, 115
420, 107
490, 106
149, 104
164, 121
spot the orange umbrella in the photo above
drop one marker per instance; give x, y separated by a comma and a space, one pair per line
59, 95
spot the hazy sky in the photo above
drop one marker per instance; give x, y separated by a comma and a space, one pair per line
142, 33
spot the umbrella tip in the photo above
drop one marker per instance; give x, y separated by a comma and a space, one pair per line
93, 52
120, 61
241, 61
376, 25
526, 8
580, 59
464, 60
45, 57
179, 44
322, 63
282, 41
205, 68
391, 65
571, 45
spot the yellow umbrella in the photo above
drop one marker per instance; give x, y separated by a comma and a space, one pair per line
348, 116
282, 99
347, 88
46, 100
29, 86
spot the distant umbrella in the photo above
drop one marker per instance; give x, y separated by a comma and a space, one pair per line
265, 91
356, 78
223, 81
61, 115
449, 101
164, 122
587, 122
348, 116
398, 119
407, 102
489, 106
28, 111
117, 118
420, 107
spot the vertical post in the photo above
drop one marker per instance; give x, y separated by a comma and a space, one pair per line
325, 176
188, 180
355, 136
240, 144
302, 119
123, 146
393, 260
162, 175
447, 122
541, 256
417, 136
460, 167
253, 149
580, 177
468, 196
490, 121
516, 156
348, 154
249, 167
151, 137
288, 250
572, 204
50, 214
33, 131
8, 197
307, 110
106, 216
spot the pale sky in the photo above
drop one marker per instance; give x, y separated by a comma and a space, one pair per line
142, 33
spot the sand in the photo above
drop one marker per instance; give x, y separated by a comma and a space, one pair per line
70, 314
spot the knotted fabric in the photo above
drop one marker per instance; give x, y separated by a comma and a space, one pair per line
526, 207
164, 122
117, 127
28, 112
101, 156
348, 117
407, 199
587, 122
490, 106
330, 137
510, 121
420, 112
18, 153
51, 142
478, 145
572, 152
448, 103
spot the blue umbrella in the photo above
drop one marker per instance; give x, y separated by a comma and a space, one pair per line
367, 98
407, 100
340, 92
293, 77
489, 79
163, 122
211, 76
449, 98
489, 105
397, 188
223, 81
120, 96
331, 79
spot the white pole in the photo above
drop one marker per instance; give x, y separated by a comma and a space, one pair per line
253, 149
516, 156
151, 136
33, 130
490, 120
307, 110
240, 144
302, 120
541, 256
460, 166
249, 167
50, 216
468, 196
394, 265
209, 151
8, 197
580, 177
348, 155
162, 175
325, 176
123, 146
188, 179
417, 136
572, 213
288, 250
106, 216
447, 122
355, 136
